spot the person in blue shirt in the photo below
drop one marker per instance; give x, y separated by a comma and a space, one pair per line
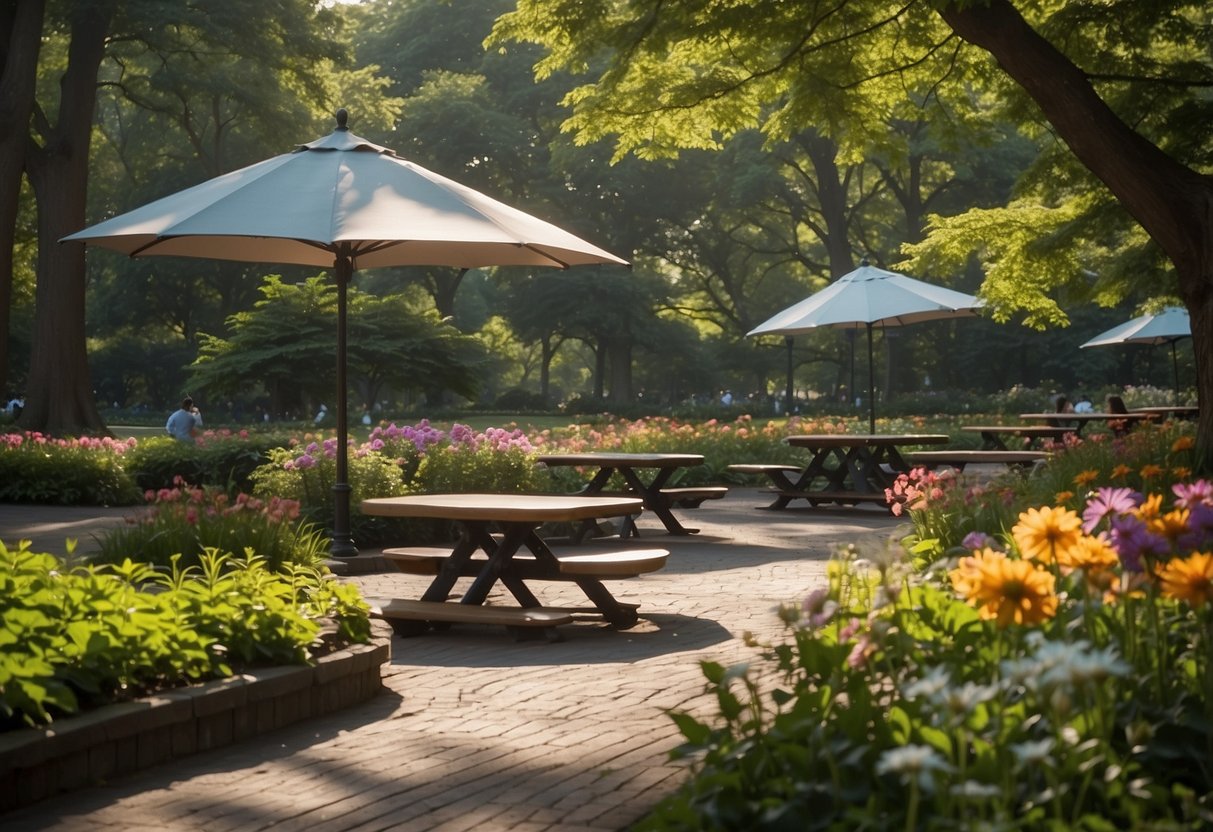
183, 424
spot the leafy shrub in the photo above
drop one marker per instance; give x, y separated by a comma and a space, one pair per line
74, 638
185, 521
35, 468
306, 473
1058, 675
220, 458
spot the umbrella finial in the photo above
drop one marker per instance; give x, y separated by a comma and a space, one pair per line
864, 262
342, 117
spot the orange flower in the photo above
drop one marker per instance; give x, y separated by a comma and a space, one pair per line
1150, 508
1004, 590
1063, 496
1171, 525
1181, 472
1149, 472
1183, 443
1089, 553
1188, 579
1120, 472
1041, 533
1086, 477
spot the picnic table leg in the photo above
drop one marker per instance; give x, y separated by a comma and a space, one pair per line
497, 568
440, 588
590, 525
619, 615
654, 500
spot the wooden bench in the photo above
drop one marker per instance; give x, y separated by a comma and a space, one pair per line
765, 469
410, 618
693, 496
959, 459
603, 565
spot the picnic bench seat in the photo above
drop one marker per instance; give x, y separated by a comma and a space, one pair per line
602, 565
409, 618
693, 496
958, 459
763, 468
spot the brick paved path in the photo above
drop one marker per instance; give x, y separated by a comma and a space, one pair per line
476, 731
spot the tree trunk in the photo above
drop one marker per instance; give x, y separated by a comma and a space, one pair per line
1173, 203
545, 368
60, 396
620, 365
20, 42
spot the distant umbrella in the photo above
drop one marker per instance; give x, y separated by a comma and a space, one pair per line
865, 297
345, 203
1170, 325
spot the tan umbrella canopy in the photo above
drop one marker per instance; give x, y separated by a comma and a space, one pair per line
346, 203
864, 297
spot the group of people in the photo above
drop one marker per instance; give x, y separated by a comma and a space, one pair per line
1115, 404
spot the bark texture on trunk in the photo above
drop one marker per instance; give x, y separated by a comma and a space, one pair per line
20, 43
60, 396
1173, 203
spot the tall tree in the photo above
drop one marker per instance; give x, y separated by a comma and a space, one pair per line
689, 74
20, 43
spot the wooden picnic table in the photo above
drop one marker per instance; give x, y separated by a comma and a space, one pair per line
1033, 435
500, 526
657, 498
844, 468
1119, 422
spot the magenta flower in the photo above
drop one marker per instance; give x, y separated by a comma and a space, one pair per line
1108, 501
1190, 495
1132, 541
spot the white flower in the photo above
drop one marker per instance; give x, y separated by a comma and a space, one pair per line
935, 680
1033, 752
915, 763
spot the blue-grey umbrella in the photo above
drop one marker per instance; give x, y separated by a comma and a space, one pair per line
345, 203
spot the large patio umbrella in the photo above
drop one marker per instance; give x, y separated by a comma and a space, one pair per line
1166, 327
866, 297
345, 203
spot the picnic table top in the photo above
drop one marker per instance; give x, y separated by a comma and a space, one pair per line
1020, 430
850, 440
1093, 416
503, 507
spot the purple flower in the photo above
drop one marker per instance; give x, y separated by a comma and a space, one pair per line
978, 540
1132, 540
305, 461
1190, 495
1108, 501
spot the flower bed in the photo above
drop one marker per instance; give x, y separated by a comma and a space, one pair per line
1012, 665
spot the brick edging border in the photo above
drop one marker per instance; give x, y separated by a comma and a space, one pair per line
36, 763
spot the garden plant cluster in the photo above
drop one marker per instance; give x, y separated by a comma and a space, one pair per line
1018, 662
1034, 654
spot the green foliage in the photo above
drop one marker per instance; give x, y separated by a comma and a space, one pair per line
72, 638
41, 469
891, 703
287, 340
217, 458
182, 523
306, 475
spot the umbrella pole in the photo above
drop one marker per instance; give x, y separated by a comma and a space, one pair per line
871, 386
343, 542
788, 395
